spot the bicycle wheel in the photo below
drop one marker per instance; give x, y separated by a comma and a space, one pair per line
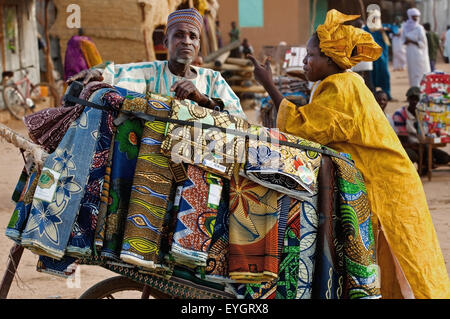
15, 101
44, 95
121, 287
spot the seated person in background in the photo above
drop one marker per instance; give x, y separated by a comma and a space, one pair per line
382, 99
405, 125
178, 77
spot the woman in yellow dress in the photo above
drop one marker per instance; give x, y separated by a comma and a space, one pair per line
344, 115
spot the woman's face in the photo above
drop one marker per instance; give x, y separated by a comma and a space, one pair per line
316, 66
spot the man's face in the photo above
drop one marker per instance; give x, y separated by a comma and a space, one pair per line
183, 42
415, 18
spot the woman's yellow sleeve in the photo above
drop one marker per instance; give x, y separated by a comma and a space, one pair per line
324, 120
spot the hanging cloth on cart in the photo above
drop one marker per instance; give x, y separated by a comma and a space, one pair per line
60, 188
198, 208
152, 186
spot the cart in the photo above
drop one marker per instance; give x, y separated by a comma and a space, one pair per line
177, 282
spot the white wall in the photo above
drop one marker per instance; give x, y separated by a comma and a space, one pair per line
435, 12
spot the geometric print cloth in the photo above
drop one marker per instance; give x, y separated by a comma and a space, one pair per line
196, 218
151, 188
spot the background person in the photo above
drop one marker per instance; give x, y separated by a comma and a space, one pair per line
398, 48
446, 43
406, 127
433, 45
415, 39
380, 75
382, 99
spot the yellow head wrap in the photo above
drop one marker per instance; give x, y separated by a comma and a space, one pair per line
337, 41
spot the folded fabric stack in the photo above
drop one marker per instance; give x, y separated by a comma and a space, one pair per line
211, 140
169, 186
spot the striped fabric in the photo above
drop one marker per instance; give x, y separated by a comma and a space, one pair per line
191, 16
156, 77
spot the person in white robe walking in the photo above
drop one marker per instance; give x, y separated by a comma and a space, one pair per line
398, 48
415, 39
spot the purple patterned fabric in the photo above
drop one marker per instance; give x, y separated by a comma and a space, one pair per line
47, 127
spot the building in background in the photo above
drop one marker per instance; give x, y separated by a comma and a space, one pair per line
127, 30
19, 37
266, 23
435, 12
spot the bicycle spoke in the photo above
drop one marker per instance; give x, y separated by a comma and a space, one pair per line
14, 102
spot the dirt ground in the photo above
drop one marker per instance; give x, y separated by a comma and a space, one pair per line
31, 284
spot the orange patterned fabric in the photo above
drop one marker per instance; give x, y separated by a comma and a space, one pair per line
253, 231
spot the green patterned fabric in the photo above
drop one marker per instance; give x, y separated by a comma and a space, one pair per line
361, 270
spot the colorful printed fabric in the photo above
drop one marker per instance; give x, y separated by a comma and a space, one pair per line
289, 258
284, 168
20, 186
208, 148
99, 235
82, 236
199, 203
190, 16
253, 231
361, 270
60, 188
151, 189
268, 290
47, 127
123, 165
65, 267
309, 221
217, 262
328, 282
21, 212
265, 290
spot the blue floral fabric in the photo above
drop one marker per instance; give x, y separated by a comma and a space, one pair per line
60, 189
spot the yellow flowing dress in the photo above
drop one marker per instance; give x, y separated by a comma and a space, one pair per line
344, 115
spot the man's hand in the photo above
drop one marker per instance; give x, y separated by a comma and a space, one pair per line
86, 76
408, 41
262, 72
185, 89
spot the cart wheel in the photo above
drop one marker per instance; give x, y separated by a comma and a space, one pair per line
122, 287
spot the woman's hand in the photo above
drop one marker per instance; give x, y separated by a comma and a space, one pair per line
262, 72
86, 76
